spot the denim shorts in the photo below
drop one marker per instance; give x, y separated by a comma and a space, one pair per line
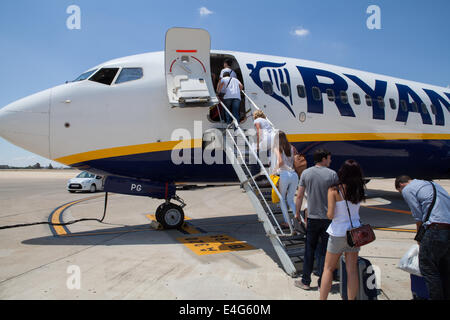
339, 245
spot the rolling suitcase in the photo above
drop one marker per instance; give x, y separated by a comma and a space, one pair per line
367, 281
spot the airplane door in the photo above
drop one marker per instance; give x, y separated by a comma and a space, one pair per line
187, 67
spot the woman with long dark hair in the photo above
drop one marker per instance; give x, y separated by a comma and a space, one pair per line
342, 198
284, 152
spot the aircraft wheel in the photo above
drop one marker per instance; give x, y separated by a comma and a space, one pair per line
170, 215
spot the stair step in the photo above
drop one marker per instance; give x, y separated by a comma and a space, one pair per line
263, 182
298, 237
297, 252
288, 248
267, 197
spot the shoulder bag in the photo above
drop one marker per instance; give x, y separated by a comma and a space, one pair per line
422, 229
300, 163
220, 95
357, 237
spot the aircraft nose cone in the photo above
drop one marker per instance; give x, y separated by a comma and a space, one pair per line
25, 123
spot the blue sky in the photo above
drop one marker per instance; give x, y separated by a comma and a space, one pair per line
38, 51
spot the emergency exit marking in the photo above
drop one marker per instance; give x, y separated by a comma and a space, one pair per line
214, 244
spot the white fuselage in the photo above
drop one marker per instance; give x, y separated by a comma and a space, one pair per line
91, 125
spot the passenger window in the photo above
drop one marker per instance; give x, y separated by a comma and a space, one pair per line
381, 102
285, 90
368, 100
403, 105
330, 93
105, 75
301, 91
316, 94
393, 104
357, 99
129, 74
267, 87
433, 109
344, 97
424, 108
415, 108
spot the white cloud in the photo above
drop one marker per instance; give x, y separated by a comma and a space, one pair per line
205, 11
300, 32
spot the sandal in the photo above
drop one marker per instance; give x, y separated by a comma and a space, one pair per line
301, 285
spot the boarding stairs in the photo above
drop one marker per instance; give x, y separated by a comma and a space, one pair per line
254, 177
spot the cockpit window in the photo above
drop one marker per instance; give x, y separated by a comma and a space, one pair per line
85, 75
105, 75
129, 74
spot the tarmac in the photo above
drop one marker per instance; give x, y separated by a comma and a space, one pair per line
221, 253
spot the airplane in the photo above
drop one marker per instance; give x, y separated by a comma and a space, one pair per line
125, 118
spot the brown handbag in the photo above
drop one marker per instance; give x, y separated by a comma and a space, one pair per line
357, 237
360, 236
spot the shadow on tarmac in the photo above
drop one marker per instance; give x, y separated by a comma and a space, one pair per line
244, 228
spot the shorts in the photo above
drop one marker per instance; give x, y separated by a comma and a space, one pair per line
339, 245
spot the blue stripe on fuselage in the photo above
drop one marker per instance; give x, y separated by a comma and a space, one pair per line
416, 158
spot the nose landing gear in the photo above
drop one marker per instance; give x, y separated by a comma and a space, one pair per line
170, 215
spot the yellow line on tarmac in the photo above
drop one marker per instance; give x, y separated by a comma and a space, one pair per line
185, 227
56, 215
396, 229
204, 245
389, 210
190, 229
153, 217
85, 234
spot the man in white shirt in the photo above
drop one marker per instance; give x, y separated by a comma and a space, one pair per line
232, 98
227, 68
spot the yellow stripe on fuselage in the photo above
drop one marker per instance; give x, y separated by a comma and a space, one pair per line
365, 136
129, 150
197, 143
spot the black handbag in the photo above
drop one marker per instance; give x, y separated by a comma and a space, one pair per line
421, 232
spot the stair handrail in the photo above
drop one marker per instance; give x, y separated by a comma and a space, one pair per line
257, 187
267, 118
256, 107
263, 169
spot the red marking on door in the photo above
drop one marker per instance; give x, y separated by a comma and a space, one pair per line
172, 65
204, 69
